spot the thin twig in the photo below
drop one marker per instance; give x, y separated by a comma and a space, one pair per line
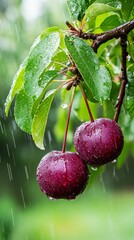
124, 77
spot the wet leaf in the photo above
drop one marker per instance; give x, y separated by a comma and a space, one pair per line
88, 92
47, 77
115, 4
97, 9
127, 8
77, 8
17, 84
39, 59
40, 119
22, 111
96, 77
130, 94
110, 22
44, 82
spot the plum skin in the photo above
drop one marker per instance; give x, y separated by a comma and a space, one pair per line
62, 175
99, 142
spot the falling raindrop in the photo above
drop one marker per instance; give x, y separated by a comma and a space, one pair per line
8, 152
114, 174
5, 132
13, 139
103, 184
9, 172
114, 161
26, 172
1, 127
49, 137
12, 214
23, 199
14, 125
17, 33
14, 159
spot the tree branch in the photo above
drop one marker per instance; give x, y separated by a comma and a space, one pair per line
101, 38
98, 39
122, 30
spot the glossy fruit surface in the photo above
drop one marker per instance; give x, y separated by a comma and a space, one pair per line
62, 175
99, 142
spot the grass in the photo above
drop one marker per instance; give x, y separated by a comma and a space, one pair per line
93, 215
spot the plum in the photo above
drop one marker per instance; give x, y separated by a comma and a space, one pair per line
62, 175
99, 142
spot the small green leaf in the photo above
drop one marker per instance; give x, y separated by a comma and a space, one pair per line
127, 9
77, 8
44, 82
97, 9
40, 119
39, 59
16, 86
22, 111
95, 76
110, 22
115, 4
47, 77
130, 93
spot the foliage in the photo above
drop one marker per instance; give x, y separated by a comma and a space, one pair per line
56, 51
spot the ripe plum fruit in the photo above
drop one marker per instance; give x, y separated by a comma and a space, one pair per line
99, 142
62, 175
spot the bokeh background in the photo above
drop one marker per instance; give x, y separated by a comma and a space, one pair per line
106, 208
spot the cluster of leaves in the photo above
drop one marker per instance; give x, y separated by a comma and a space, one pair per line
34, 83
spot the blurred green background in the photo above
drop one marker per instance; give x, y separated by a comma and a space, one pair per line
105, 209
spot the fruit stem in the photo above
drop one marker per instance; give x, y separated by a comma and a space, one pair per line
87, 104
68, 119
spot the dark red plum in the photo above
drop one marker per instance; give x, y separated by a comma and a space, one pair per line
99, 142
62, 175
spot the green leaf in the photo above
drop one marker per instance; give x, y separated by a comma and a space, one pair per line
40, 119
95, 76
127, 8
47, 77
130, 93
39, 59
16, 86
44, 82
88, 92
110, 22
22, 111
115, 4
97, 9
77, 8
